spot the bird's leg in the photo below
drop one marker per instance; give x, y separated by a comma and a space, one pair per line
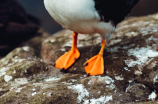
95, 65
67, 59
157, 48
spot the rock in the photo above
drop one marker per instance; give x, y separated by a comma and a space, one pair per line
16, 26
138, 91
131, 73
60, 43
34, 41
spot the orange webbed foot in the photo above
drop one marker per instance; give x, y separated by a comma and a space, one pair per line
157, 48
67, 59
95, 65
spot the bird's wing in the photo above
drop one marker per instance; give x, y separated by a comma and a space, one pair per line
114, 10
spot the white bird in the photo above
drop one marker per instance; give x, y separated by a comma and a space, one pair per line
86, 17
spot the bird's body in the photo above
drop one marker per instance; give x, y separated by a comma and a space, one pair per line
85, 17
79, 16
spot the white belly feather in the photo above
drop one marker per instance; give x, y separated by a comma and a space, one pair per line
78, 15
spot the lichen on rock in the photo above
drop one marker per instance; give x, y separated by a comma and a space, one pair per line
130, 62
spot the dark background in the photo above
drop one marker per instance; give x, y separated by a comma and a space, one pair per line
36, 8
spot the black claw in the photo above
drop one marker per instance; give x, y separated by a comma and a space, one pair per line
88, 74
75, 58
62, 70
85, 64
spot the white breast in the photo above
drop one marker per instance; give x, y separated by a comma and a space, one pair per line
77, 15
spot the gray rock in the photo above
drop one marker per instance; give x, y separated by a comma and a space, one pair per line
131, 74
34, 41
138, 91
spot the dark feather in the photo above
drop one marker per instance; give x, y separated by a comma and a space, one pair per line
114, 10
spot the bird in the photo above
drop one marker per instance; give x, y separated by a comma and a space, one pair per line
86, 17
